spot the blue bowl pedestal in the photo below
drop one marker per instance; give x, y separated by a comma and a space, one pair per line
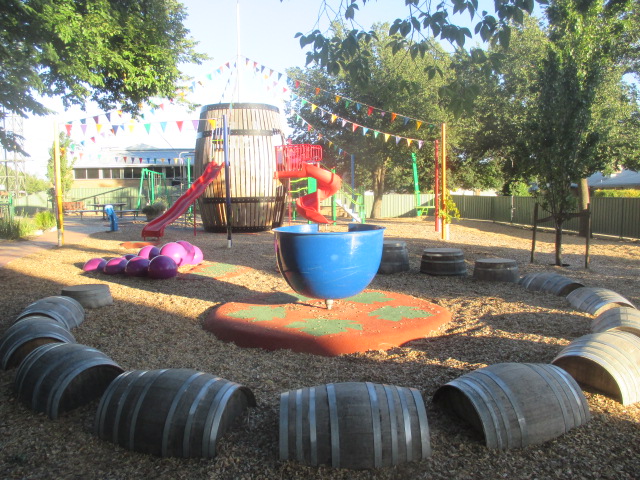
329, 265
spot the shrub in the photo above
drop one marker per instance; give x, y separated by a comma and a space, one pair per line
44, 220
628, 193
16, 228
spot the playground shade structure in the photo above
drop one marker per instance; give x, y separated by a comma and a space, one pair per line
155, 228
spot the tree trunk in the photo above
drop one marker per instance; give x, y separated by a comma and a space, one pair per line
583, 205
558, 225
378, 191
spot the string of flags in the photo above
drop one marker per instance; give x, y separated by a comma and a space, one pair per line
354, 127
115, 123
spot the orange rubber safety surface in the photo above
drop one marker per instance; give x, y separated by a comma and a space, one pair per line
371, 320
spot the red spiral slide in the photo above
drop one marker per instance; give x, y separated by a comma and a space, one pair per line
155, 228
308, 206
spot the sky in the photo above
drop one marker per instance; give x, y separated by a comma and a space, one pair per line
267, 30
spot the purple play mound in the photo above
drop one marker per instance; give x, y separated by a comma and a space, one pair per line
149, 251
162, 267
115, 266
175, 251
94, 264
197, 256
137, 267
190, 252
129, 256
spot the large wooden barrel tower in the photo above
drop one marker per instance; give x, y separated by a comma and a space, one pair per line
257, 199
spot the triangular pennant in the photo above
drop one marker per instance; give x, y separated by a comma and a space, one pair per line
212, 122
405, 120
386, 137
313, 107
338, 98
163, 125
369, 111
398, 139
195, 124
344, 122
354, 127
317, 90
179, 124
68, 127
376, 133
393, 116
408, 142
418, 124
147, 127
297, 83
364, 130
96, 119
333, 118
83, 127
98, 127
358, 106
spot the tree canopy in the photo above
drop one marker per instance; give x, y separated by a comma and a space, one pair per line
114, 53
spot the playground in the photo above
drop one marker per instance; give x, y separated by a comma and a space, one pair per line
159, 324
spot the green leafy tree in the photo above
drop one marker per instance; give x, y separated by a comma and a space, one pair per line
398, 84
418, 28
67, 162
115, 53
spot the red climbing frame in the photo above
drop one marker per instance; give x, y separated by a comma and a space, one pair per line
291, 157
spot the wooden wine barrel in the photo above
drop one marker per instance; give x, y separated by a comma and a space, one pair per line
395, 257
516, 404
90, 295
607, 362
26, 335
353, 425
443, 261
624, 319
496, 270
59, 377
170, 412
257, 199
65, 310
595, 300
549, 282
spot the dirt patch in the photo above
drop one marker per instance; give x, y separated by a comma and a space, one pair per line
158, 324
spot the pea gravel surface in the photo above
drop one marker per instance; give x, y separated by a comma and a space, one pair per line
158, 324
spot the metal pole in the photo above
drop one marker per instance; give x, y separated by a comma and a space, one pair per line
227, 179
535, 229
57, 183
353, 171
238, 48
416, 188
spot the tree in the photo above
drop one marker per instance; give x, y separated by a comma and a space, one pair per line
67, 162
424, 23
114, 53
398, 85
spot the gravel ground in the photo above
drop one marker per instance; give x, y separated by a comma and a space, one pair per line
158, 324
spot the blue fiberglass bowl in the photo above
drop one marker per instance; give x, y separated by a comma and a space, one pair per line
329, 265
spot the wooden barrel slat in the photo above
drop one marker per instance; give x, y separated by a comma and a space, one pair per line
496, 270
65, 310
607, 362
56, 378
443, 261
624, 319
257, 199
27, 334
170, 412
353, 425
395, 257
595, 300
514, 405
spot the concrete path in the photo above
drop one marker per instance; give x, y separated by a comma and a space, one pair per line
74, 232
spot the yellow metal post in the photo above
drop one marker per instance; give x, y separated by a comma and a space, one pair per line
443, 164
57, 184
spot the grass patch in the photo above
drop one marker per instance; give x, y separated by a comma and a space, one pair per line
16, 228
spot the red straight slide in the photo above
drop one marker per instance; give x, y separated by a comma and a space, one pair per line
155, 228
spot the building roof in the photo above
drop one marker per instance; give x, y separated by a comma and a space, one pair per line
622, 179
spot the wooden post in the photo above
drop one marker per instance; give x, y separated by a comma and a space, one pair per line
57, 183
436, 189
588, 239
445, 230
535, 228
